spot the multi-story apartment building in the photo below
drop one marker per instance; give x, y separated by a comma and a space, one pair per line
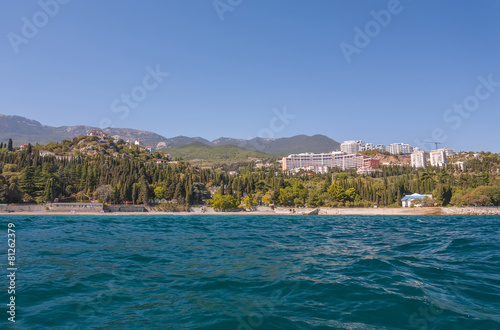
336, 159
448, 151
349, 147
438, 157
401, 148
419, 159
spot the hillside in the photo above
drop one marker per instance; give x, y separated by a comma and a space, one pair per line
284, 146
23, 130
197, 152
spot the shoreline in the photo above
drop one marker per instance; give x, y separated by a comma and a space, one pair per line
298, 211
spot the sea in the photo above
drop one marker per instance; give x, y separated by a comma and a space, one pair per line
251, 272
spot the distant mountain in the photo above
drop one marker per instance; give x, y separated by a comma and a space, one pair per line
23, 130
284, 146
198, 152
183, 140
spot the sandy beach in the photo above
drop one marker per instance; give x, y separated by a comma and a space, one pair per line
294, 211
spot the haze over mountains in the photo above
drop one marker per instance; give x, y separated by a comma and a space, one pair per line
23, 130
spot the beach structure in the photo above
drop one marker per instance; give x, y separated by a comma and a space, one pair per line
78, 207
409, 199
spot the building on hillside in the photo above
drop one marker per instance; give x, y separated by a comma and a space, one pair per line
448, 151
460, 165
400, 148
361, 144
349, 147
138, 142
337, 159
419, 159
99, 133
150, 149
409, 199
438, 157
366, 170
23, 146
372, 146
313, 168
44, 153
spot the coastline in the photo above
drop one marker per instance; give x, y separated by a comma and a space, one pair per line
293, 211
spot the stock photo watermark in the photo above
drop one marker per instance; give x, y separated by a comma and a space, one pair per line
456, 114
11, 272
259, 310
111, 290
130, 101
32, 26
223, 6
364, 36
424, 316
277, 124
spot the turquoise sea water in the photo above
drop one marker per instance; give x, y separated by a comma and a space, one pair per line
255, 272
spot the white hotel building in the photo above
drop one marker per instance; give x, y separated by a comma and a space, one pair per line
338, 159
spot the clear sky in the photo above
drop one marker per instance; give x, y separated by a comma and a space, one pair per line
379, 71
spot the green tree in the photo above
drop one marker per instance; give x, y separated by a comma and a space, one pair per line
103, 193
338, 193
224, 202
248, 201
27, 181
144, 193
9, 145
49, 192
159, 193
314, 199
268, 198
352, 195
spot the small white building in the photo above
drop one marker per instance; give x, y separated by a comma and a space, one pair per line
366, 170
408, 199
313, 168
44, 153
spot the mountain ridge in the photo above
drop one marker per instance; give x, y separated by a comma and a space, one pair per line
24, 130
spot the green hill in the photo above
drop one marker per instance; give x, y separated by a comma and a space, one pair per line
197, 152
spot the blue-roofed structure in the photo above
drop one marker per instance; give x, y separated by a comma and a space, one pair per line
408, 199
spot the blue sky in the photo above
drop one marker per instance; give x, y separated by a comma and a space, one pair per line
425, 70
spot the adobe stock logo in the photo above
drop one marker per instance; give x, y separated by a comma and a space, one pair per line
455, 116
372, 29
30, 28
223, 6
138, 94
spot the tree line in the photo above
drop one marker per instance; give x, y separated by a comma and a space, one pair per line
28, 177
